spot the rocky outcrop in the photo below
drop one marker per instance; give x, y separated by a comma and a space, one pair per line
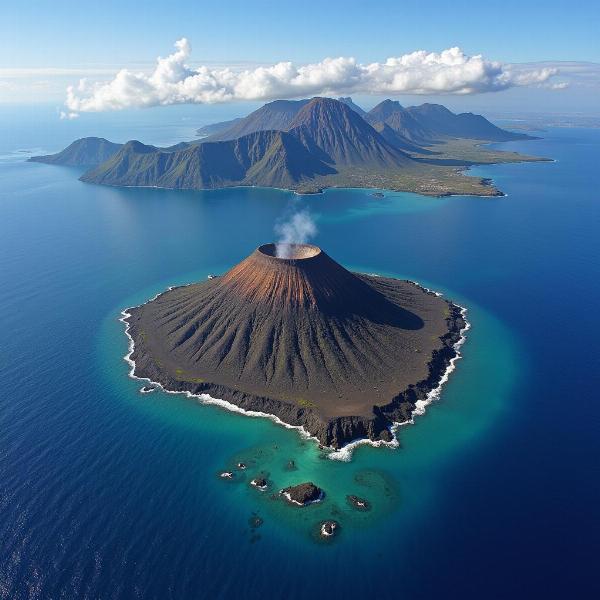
358, 503
303, 494
329, 528
260, 483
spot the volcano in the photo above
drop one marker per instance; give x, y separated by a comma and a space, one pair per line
290, 332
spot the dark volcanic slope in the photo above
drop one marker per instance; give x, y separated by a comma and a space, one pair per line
349, 102
337, 134
272, 158
213, 128
93, 151
425, 123
274, 115
396, 139
442, 122
342, 354
85, 152
392, 114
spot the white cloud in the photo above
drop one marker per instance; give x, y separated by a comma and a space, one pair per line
174, 82
68, 116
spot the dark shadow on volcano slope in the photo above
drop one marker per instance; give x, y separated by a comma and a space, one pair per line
373, 306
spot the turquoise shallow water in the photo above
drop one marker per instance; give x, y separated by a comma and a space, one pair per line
108, 493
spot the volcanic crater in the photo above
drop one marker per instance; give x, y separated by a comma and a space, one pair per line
290, 332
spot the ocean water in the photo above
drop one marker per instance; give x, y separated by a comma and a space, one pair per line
107, 493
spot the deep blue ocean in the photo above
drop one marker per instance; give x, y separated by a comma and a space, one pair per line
107, 493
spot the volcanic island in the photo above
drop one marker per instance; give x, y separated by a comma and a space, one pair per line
291, 333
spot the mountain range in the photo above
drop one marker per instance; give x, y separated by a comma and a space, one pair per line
421, 125
285, 143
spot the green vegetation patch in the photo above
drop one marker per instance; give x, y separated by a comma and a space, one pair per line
305, 403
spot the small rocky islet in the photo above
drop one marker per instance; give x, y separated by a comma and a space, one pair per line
260, 483
358, 503
147, 389
303, 494
329, 528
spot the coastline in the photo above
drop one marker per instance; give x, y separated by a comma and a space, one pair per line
420, 408
485, 183
343, 453
447, 181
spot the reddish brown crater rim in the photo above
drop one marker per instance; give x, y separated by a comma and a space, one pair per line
293, 252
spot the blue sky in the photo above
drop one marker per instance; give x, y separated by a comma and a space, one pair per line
45, 45
59, 33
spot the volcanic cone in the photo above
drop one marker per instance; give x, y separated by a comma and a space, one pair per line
289, 331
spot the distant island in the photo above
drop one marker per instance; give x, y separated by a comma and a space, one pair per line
343, 355
308, 146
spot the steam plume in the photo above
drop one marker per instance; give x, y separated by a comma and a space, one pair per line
299, 229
